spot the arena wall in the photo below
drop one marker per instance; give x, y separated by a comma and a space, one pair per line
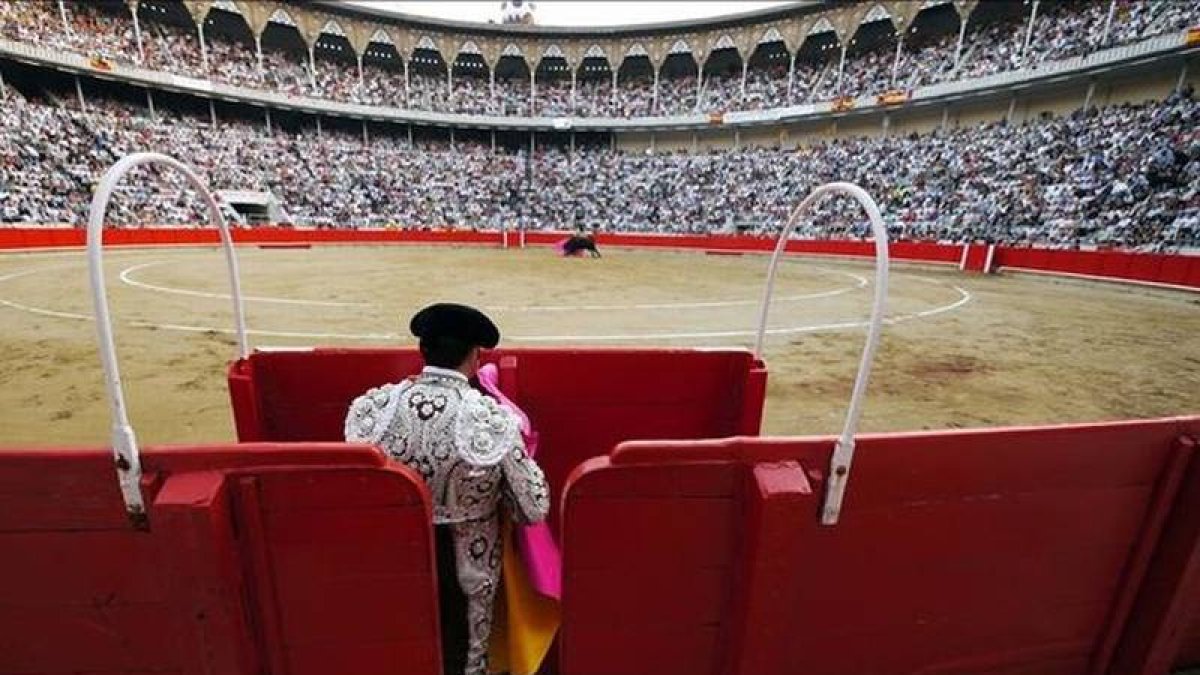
1179, 271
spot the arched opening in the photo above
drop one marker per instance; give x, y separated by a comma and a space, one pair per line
553, 86
383, 73
285, 55
929, 47
635, 85
677, 86
472, 92
722, 88
102, 28
594, 95
230, 45
869, 56
336, 64
994, 38
427, 84
512, 85
169, 37
766, 77
816, 63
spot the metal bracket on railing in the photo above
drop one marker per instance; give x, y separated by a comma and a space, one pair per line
125, 447
843, 452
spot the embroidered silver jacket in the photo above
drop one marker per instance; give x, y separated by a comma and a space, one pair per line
469, 451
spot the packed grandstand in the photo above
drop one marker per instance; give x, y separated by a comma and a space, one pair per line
167, 39
1122, 175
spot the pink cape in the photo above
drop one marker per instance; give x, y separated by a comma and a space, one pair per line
539, 551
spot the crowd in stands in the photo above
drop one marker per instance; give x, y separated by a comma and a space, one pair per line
1123, 175
1063, 29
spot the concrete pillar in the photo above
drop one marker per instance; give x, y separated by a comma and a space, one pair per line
612, 95
792, 73
737, 139
137, 33
653, 143
654, 92
841, 67
695, 142
312, 64
1012, 109
319, 134
945, 117
533, 91
896, 61
360, 71
493, 141
452, 138
410, 136
404, 64
492, 83
574, 88
745, 71
269, 129
365, 138
258, 53
1087, 99
1033, 12
572, 143
1183, 75
203, 45
962, 35
887, 123
4, 88
1112, 11
79, 93
532, 152
449, 79
699, 83
212, 113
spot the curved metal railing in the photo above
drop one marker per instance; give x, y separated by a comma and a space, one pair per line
843, 453
125, 447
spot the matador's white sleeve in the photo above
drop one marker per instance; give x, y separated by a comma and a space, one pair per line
370, 414
489, 434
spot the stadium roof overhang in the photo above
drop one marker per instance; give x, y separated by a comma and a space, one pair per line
796, 8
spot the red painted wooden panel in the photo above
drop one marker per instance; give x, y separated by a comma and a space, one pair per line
293, 406
344, 535
354, 544
1175, 269
697, 394
966, 552
1193, 278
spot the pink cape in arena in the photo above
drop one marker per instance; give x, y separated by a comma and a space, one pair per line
539, 552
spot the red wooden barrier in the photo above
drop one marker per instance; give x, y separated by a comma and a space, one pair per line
1005, 551
581, 401
258, 558
1174, 270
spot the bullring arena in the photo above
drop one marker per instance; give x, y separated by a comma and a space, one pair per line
880, 354
959, 350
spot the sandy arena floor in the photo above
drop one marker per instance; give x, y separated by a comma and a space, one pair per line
961, 351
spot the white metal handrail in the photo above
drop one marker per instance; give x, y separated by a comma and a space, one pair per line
843, 452
125, 448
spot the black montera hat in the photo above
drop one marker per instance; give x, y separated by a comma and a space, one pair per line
461, 322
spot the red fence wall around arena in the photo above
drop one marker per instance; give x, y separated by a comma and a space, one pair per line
1173, 270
